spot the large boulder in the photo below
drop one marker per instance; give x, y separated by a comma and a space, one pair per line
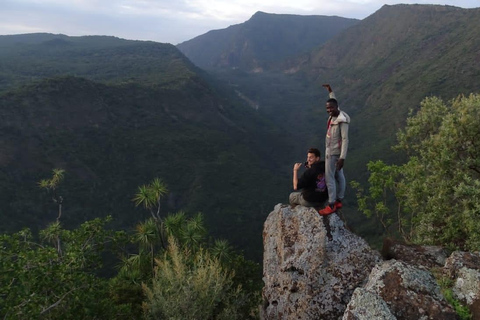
311, 264
408, 292
464, 269
366, 305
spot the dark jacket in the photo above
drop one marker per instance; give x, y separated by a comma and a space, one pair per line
312, 183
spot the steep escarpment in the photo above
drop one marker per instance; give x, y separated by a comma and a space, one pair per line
315, 268
312, 264
262, 40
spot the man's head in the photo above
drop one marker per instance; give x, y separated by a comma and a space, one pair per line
313, 155
332, 107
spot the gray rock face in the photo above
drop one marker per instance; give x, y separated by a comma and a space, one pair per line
311, 264
464, 269
408, 291
366, 305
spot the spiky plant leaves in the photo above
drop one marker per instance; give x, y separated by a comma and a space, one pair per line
147, 233
174, 223
158, 187
144, 197
51, 232
222, 250
194, 232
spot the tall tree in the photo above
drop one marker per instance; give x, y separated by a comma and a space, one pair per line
438, 188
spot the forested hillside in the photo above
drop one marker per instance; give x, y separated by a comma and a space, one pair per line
28, 57
115, 114
393, 59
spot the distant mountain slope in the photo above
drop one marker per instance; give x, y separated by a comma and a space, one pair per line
263, 39
116, 129
24, 58
391, 60
431, 45
380, 68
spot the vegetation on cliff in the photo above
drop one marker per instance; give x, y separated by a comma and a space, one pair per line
168, 267
436, 193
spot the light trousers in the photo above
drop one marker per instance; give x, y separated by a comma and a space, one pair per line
296, 197
332, 177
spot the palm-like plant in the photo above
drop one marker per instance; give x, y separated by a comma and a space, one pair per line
52, 185
147, 235
149, 197
134, 267
52, 234
174, 224
222, 250
193, 233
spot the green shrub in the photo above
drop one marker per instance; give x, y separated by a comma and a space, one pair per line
192, 286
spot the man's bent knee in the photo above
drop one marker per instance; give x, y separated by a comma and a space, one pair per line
295, 198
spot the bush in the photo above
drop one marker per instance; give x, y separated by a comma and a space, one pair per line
193, 286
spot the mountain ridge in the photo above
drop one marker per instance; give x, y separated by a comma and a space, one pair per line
261, 40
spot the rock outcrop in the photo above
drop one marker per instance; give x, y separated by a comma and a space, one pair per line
366, 305
464, 269
312, 264
315, 268
408, 292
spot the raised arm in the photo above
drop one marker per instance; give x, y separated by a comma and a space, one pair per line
331, 94
296, 166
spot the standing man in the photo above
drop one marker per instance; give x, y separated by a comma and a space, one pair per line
310, 188
336, 145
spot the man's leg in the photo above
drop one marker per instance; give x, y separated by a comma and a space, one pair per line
296, 198
330, 178
340, 177
330, 169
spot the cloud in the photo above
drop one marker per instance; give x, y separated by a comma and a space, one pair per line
167, 20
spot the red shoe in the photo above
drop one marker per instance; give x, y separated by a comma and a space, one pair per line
338, 204
327, 210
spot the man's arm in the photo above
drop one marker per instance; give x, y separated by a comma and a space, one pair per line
331, 94
343, 151
296, 166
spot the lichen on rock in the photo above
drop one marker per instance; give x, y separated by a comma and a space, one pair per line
311, 264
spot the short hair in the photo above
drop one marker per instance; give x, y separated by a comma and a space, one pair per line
315, 151
333, 101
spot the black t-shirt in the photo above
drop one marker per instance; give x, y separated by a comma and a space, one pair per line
312, 183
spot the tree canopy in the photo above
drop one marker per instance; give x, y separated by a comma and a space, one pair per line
168, 264
437, 191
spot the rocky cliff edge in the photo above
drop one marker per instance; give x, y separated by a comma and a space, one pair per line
315, 268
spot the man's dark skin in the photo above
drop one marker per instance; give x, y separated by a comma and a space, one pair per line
333, 111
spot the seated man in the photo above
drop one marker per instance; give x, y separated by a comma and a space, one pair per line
310, 188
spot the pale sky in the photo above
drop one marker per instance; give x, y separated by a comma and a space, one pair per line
171, 21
